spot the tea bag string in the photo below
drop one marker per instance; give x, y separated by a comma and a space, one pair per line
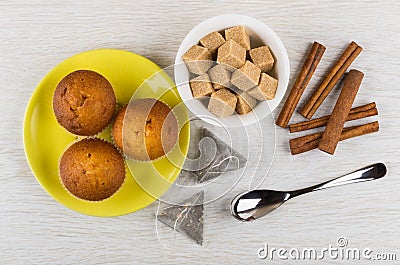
176, 222
209, 170
158, 235
235, 158
179, 217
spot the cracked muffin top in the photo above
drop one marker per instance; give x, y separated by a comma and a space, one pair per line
150, 129
84, 102
92, 169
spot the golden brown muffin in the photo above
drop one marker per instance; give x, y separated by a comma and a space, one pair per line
84, 102
92, 169
150, 129
117, 127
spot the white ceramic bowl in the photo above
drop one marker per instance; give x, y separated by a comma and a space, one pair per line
260, 34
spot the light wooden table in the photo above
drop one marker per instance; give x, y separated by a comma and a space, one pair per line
35, 229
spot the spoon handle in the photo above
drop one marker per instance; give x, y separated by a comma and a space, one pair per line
367, 173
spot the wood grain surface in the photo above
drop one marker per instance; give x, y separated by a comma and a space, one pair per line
35, 229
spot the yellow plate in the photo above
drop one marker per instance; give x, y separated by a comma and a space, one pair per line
45, 140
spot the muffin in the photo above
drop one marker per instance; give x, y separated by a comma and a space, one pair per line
92, 169
150, 129
117, 127
84, 102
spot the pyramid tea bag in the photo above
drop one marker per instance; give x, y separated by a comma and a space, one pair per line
224, 159
186, 218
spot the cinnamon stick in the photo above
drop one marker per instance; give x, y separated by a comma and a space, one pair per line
330, 80
354, 114
305, 74
334, 127
310, 142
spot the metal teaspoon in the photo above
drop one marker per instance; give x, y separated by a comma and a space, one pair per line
254, 204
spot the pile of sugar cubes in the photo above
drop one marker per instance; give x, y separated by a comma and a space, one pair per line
221, 71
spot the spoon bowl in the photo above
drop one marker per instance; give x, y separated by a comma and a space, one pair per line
251, 205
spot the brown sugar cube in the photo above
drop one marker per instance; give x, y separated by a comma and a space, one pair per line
246, 77
220, 76
212, 41
262, 58
266, 89
231, 88
201, 86
218, 86
197, 59
231, 54
240, 35
222, 103
235, 90
245, 103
